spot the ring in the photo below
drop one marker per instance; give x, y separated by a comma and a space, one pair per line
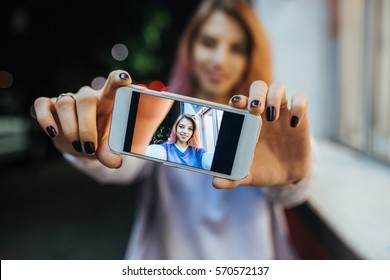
63, 95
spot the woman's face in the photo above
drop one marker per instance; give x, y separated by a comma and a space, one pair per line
184, 130
219, 56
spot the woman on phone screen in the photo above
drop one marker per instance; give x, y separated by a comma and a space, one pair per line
183, 145
223, 57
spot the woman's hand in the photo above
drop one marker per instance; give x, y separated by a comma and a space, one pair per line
79, 123
282, 154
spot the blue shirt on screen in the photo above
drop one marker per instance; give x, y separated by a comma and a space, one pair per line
192, 156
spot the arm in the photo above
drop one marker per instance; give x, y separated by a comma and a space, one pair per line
156, 151
294, 194
207, 159
132, 169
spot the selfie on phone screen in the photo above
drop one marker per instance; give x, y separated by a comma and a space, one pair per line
189, 135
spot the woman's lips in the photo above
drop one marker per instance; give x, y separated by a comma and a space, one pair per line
215, 77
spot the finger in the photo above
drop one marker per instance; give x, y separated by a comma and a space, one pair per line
276, 99
67, 116
115, 80
106, 156
33, 114
238, 101
257, 96
44, 109
221, 183
298, 110
86, 102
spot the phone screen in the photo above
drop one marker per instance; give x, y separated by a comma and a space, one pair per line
190, 134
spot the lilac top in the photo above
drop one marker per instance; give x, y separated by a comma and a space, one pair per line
192, 156
181, 216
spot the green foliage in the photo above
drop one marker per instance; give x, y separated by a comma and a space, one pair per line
144, 45
161, 135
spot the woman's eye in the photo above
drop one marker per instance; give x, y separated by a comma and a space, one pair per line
208, 42
239, 48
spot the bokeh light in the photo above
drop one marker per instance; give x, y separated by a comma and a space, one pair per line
119, 52
157, 85
98, 82
20, 21
6, 79
152, 37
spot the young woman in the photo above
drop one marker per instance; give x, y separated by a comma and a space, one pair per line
183, 145
223, 57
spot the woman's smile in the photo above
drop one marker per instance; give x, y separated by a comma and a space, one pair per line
183, 136
215, 76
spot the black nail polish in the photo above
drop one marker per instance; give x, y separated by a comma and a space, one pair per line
77, 146
124, 76
51, 131
294, 121
271, 113
89, 147
235, 98
255, 103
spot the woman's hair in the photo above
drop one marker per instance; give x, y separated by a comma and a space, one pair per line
194, 141
259, 58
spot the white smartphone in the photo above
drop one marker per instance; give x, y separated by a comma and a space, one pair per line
184, 132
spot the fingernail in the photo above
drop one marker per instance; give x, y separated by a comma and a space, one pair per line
255, 103
51, 131
89, 147
271, 113
294, 121
77, 146
124, 76
235, 98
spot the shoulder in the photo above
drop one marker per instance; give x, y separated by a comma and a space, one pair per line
167, 146
198, 150
157, 151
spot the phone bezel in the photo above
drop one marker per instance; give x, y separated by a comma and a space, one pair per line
245, 147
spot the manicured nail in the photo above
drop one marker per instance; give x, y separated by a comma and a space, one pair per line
124, 76
294, 121
271, 113
77, 146
51, 131
89, 147
255, 103
235, 98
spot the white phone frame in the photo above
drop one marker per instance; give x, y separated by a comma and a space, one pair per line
246, 144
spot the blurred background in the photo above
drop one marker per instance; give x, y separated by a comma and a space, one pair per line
336, 51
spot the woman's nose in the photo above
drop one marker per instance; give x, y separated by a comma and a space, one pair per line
220, 55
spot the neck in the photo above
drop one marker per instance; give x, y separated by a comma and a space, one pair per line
211, 97
181, 144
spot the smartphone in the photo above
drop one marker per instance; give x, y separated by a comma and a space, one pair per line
183, 132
